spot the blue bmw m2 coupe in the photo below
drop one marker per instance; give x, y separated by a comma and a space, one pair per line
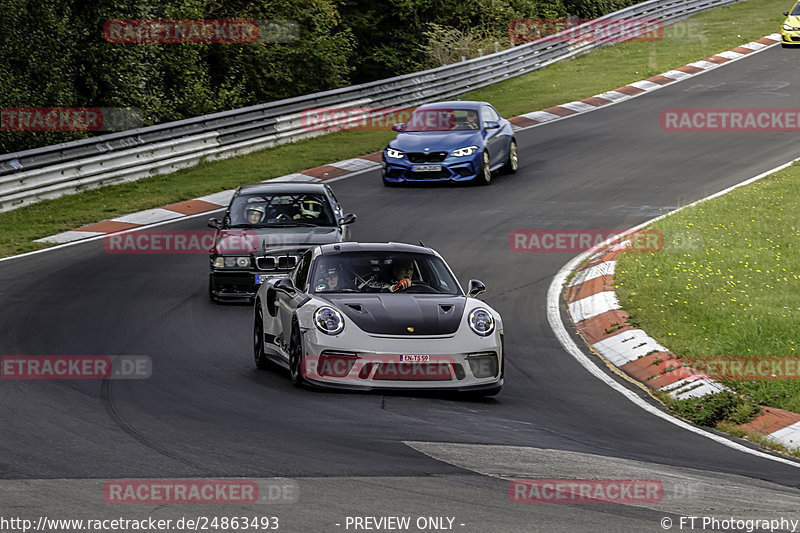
459, 141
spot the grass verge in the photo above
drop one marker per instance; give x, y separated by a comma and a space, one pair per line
599, 71
725, 284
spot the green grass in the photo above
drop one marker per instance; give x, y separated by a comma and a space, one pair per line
726, 283
593, 73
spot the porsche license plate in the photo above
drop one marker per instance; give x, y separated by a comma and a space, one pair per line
415, 358
426, 168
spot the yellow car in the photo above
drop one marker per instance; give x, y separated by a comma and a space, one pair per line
790, 30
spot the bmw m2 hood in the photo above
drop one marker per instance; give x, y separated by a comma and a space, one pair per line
793, 20
256, 239
436, 141
403, 315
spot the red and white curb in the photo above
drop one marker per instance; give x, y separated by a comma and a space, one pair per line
640, 87
597, 315
350, 167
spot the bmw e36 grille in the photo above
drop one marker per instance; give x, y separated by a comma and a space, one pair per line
280, 262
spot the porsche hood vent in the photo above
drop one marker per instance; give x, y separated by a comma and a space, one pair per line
403, 314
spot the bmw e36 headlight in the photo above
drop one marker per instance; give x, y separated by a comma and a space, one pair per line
481, 322
231, 261
463, 152
328, 320
394, 154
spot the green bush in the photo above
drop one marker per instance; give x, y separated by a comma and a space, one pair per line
711, 409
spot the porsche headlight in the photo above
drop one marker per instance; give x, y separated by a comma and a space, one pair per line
481, 322
232, 261
394, 154
790, 28
463, 152
328, 320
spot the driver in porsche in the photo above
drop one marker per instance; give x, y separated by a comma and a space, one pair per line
403, 272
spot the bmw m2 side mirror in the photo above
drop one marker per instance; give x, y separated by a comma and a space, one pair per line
286, 285
785, 13
398, 127
492, 125
214, 223
476, 287
349, 218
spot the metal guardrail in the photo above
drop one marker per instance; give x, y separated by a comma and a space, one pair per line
51, 171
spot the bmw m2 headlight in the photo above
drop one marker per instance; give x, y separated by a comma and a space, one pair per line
231, 261
481, 322
394, 154
329, 320
463, 152
790, 28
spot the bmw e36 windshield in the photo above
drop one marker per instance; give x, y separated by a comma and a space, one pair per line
263, 210
360, 272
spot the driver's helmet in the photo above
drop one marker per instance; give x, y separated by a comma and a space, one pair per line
257, 209
310, 209
329, 275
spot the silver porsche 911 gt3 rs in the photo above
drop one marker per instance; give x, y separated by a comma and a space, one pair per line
364, 316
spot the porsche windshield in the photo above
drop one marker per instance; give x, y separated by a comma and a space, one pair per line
285, 209
390, 272
442, 119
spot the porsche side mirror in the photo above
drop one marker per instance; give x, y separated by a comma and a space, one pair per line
476, 287
785, 13
214, 223
398, 127
286, 285
492, 125
349, 218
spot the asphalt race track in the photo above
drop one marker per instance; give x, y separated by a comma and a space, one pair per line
206, 412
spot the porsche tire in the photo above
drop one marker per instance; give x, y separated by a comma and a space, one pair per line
260, 357
296, 357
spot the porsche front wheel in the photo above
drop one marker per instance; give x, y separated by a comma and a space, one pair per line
258, 340
296, 357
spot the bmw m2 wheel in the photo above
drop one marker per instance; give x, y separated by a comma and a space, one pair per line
484, 177
296, 357
512, 163
262, 363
